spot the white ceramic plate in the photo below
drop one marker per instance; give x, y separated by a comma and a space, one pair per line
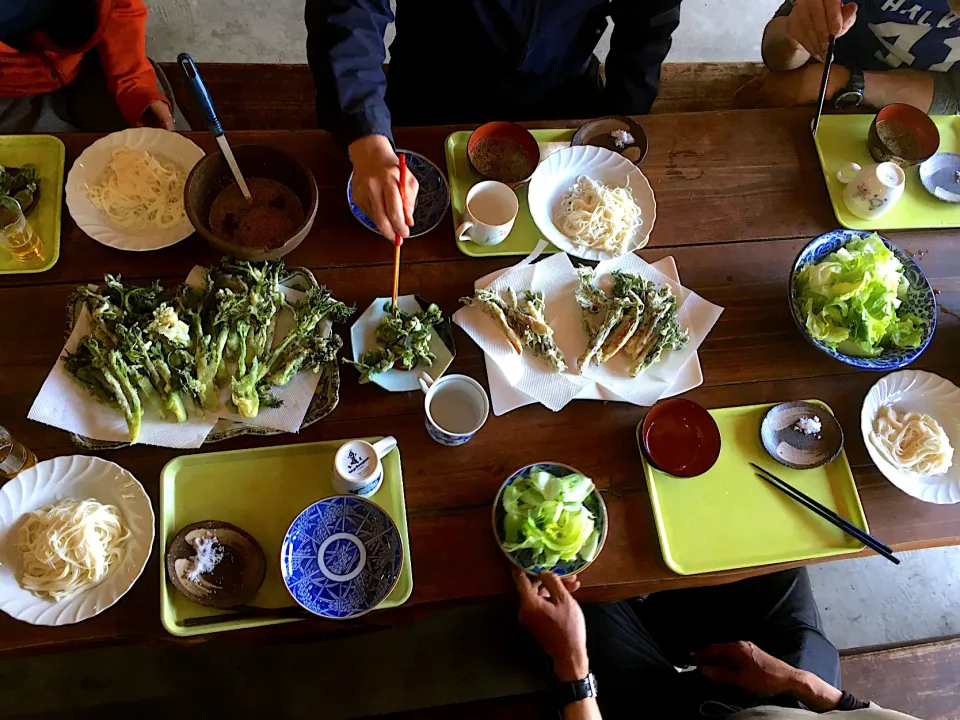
363, 337
917, 391
556, 175
90, 166
79, 477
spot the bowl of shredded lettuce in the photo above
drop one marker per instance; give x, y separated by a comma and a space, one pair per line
862, 300
549, 516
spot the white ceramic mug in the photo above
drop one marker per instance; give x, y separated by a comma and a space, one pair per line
872, 190
357, 469
489, 212
456, 406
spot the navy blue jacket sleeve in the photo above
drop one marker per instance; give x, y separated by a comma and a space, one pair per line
641, 39
345, 50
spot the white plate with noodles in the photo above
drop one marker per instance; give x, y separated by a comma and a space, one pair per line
592, 203
126, 189
911, 426
78, 530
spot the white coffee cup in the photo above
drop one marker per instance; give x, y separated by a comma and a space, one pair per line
456, 406
872, 190
357, 469
489, 212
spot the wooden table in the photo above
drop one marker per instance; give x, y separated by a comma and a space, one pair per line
738, 195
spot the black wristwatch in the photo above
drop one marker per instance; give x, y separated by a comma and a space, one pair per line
571, 692
851, 94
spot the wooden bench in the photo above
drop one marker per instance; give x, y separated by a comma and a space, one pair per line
281, 97
922, 680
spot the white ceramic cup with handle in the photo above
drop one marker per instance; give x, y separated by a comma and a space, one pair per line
872, 190
489, 212
357, 469
456, 407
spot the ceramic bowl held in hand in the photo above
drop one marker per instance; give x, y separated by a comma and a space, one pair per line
680, 437
902, 134
801, 434
212, 175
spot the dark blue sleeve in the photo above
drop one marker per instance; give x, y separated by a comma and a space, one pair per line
346, 52
641, 39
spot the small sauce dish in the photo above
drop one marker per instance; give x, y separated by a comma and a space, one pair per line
680, 437
801, 435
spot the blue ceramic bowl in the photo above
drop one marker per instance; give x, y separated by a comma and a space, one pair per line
341, 557
920, 301
523, 558
433, 197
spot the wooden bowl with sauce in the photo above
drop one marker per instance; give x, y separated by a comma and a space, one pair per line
680, 437
278, 220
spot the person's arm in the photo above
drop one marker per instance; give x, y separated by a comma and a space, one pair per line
801, 29
554, 618
345, 51
641, 39
130, 76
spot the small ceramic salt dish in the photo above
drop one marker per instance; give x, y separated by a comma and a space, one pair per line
801, 434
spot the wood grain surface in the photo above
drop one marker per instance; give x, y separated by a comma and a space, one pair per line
738, 195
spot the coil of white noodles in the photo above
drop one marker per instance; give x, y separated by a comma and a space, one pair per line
913, 442
602, 217
69, 546
140, 192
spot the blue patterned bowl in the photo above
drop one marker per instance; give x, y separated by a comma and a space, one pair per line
341, 557
523, 558
433, 197
920, 301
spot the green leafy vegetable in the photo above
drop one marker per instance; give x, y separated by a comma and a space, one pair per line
851, 300
404, 341
545, 514
20, 183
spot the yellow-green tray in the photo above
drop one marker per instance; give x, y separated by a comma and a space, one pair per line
261, 490
525, 234
843, 138
46, 153
729, 518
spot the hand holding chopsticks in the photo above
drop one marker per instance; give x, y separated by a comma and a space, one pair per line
398, 241
827, 514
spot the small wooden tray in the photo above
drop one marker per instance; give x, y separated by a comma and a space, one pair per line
261, 490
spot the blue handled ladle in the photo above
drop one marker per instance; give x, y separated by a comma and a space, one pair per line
202, 98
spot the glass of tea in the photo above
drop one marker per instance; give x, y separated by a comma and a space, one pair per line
16, 235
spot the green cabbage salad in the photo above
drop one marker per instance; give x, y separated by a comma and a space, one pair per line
851, 300
545, 514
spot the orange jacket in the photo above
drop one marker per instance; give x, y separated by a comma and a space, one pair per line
120, 42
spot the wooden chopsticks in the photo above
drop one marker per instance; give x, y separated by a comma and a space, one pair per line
827, 514
398, 241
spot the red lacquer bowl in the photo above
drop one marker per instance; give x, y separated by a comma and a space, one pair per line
680, 437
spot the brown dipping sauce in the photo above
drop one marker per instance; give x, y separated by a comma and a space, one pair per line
898, 138
500, 159
268, 220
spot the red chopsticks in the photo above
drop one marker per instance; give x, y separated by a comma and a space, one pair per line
398, 241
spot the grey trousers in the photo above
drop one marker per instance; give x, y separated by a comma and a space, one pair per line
85, 105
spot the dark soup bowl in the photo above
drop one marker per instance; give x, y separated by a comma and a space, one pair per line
680, 437
503, 151
212, 175
902, 134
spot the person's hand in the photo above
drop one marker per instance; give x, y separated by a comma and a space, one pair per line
376, 186
745, 665
157, 115
555, 620
811, 23
792, 88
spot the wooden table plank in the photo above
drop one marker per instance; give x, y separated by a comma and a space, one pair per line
734, 212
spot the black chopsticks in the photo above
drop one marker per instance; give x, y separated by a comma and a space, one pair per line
827, 62
827, 514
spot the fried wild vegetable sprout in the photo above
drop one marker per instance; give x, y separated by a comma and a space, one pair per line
639, 318
21, 184
171, 353
404, 341
522, 322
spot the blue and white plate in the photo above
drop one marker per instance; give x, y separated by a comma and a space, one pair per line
341, 557
433, 197
522, 558
920, 301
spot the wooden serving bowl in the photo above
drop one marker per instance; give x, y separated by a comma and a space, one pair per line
212, 174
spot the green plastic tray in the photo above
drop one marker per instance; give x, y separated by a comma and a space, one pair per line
261, 490
843, 138
729, 518
525, 235
46, 153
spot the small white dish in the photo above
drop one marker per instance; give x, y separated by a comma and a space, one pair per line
363, 337
78, 477
558, 172
923, 392
92, 163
